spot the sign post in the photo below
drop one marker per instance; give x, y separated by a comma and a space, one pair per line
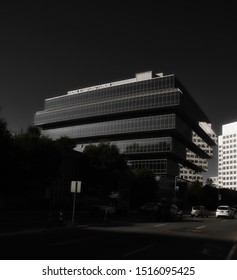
75, 188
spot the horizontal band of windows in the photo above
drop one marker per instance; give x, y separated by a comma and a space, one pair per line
157, 166
106, 93
110, 107
136, 146
150, 123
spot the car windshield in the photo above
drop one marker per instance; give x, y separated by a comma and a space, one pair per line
222, 208
196, 208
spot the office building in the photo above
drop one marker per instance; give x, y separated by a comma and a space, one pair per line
227, 156
189, 174
152, 118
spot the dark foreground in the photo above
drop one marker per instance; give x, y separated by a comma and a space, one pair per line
191, 239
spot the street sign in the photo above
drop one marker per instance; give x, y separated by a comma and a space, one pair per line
76, 186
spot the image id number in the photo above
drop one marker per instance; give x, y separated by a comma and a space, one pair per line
144, 270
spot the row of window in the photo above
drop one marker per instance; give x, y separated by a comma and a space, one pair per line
228, 157
193, 156
227, 147
229, 141
229, 136
227, 162
109, 107
229, 184
232, 168
147, 145
224, 173
186, 171
111, 92
228, 167
158, 166
114, 127
192, 178
229, 152
151, 145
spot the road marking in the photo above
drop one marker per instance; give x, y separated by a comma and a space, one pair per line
160, 225
138, 250
200, 227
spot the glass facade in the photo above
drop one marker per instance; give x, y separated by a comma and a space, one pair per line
147, 117
134, 125
143, 146
109, 107
158, 166
139, 146
113, 92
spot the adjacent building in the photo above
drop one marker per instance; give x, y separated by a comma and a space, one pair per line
189, 174
152, 118
227, 156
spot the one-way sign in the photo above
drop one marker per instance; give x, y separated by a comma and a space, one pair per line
76, 186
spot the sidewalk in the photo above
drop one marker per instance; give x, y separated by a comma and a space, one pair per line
19, 224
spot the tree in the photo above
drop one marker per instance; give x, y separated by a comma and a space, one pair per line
65, 143
35, 163
5, 151
209, 182
104, 155
195, 193
210, 196
145, 187
38, 158
106, 165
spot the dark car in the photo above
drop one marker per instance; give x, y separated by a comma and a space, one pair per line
149, 208
169, 212
234, 207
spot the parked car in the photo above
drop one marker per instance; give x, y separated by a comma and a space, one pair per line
234, 207
225, 211
149, 208
169, 212
199, 211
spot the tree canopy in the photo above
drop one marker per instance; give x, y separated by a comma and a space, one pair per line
106, 165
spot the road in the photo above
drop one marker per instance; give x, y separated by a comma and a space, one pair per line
192, 238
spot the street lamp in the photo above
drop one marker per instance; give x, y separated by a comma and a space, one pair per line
219, 196
176, 188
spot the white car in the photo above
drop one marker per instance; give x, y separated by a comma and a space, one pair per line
225, 211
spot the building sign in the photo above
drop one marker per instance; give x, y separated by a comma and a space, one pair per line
89, 88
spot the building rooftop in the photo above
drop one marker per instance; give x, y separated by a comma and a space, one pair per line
143, 76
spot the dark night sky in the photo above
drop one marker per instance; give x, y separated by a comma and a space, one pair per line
47, 50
